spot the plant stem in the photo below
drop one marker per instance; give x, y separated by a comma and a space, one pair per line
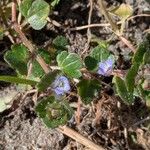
26, 42
107, 16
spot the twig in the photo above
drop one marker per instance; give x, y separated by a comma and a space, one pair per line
128, 43
114, 25
55, 23
90, 26
89, 21
107, 16
141, 121
19, 15
105, 24
79, 138
119, 73
7, 33
13, 11
88, 30
139, 15
147, 30
126, 137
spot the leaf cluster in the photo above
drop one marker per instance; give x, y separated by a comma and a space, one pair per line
126, 87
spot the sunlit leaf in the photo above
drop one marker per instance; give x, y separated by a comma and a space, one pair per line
123, 11
25, 6
54, 3
36, 12
70, 64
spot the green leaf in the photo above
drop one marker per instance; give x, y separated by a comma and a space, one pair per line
130, 77
38, 13
138, 56
25, 6
70, 63
100, 53
122, 90
37, 70
88, 89
53, 112
17, 58
17, 80
60, 43
123, 11
41, 106
90, 63
47, 80
54, 3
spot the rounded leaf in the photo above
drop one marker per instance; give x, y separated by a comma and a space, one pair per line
70, 64
53, 112
88, 89
38, 13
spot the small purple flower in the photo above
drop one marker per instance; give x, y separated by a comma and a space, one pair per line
61, 85
105, 67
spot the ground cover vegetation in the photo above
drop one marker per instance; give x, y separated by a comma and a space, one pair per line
80, 69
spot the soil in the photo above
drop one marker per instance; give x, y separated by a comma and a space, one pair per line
21, 129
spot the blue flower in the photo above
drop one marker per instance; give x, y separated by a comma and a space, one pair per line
61, 85
106, 67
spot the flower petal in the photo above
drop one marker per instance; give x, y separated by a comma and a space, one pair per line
61, 85
106, 67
